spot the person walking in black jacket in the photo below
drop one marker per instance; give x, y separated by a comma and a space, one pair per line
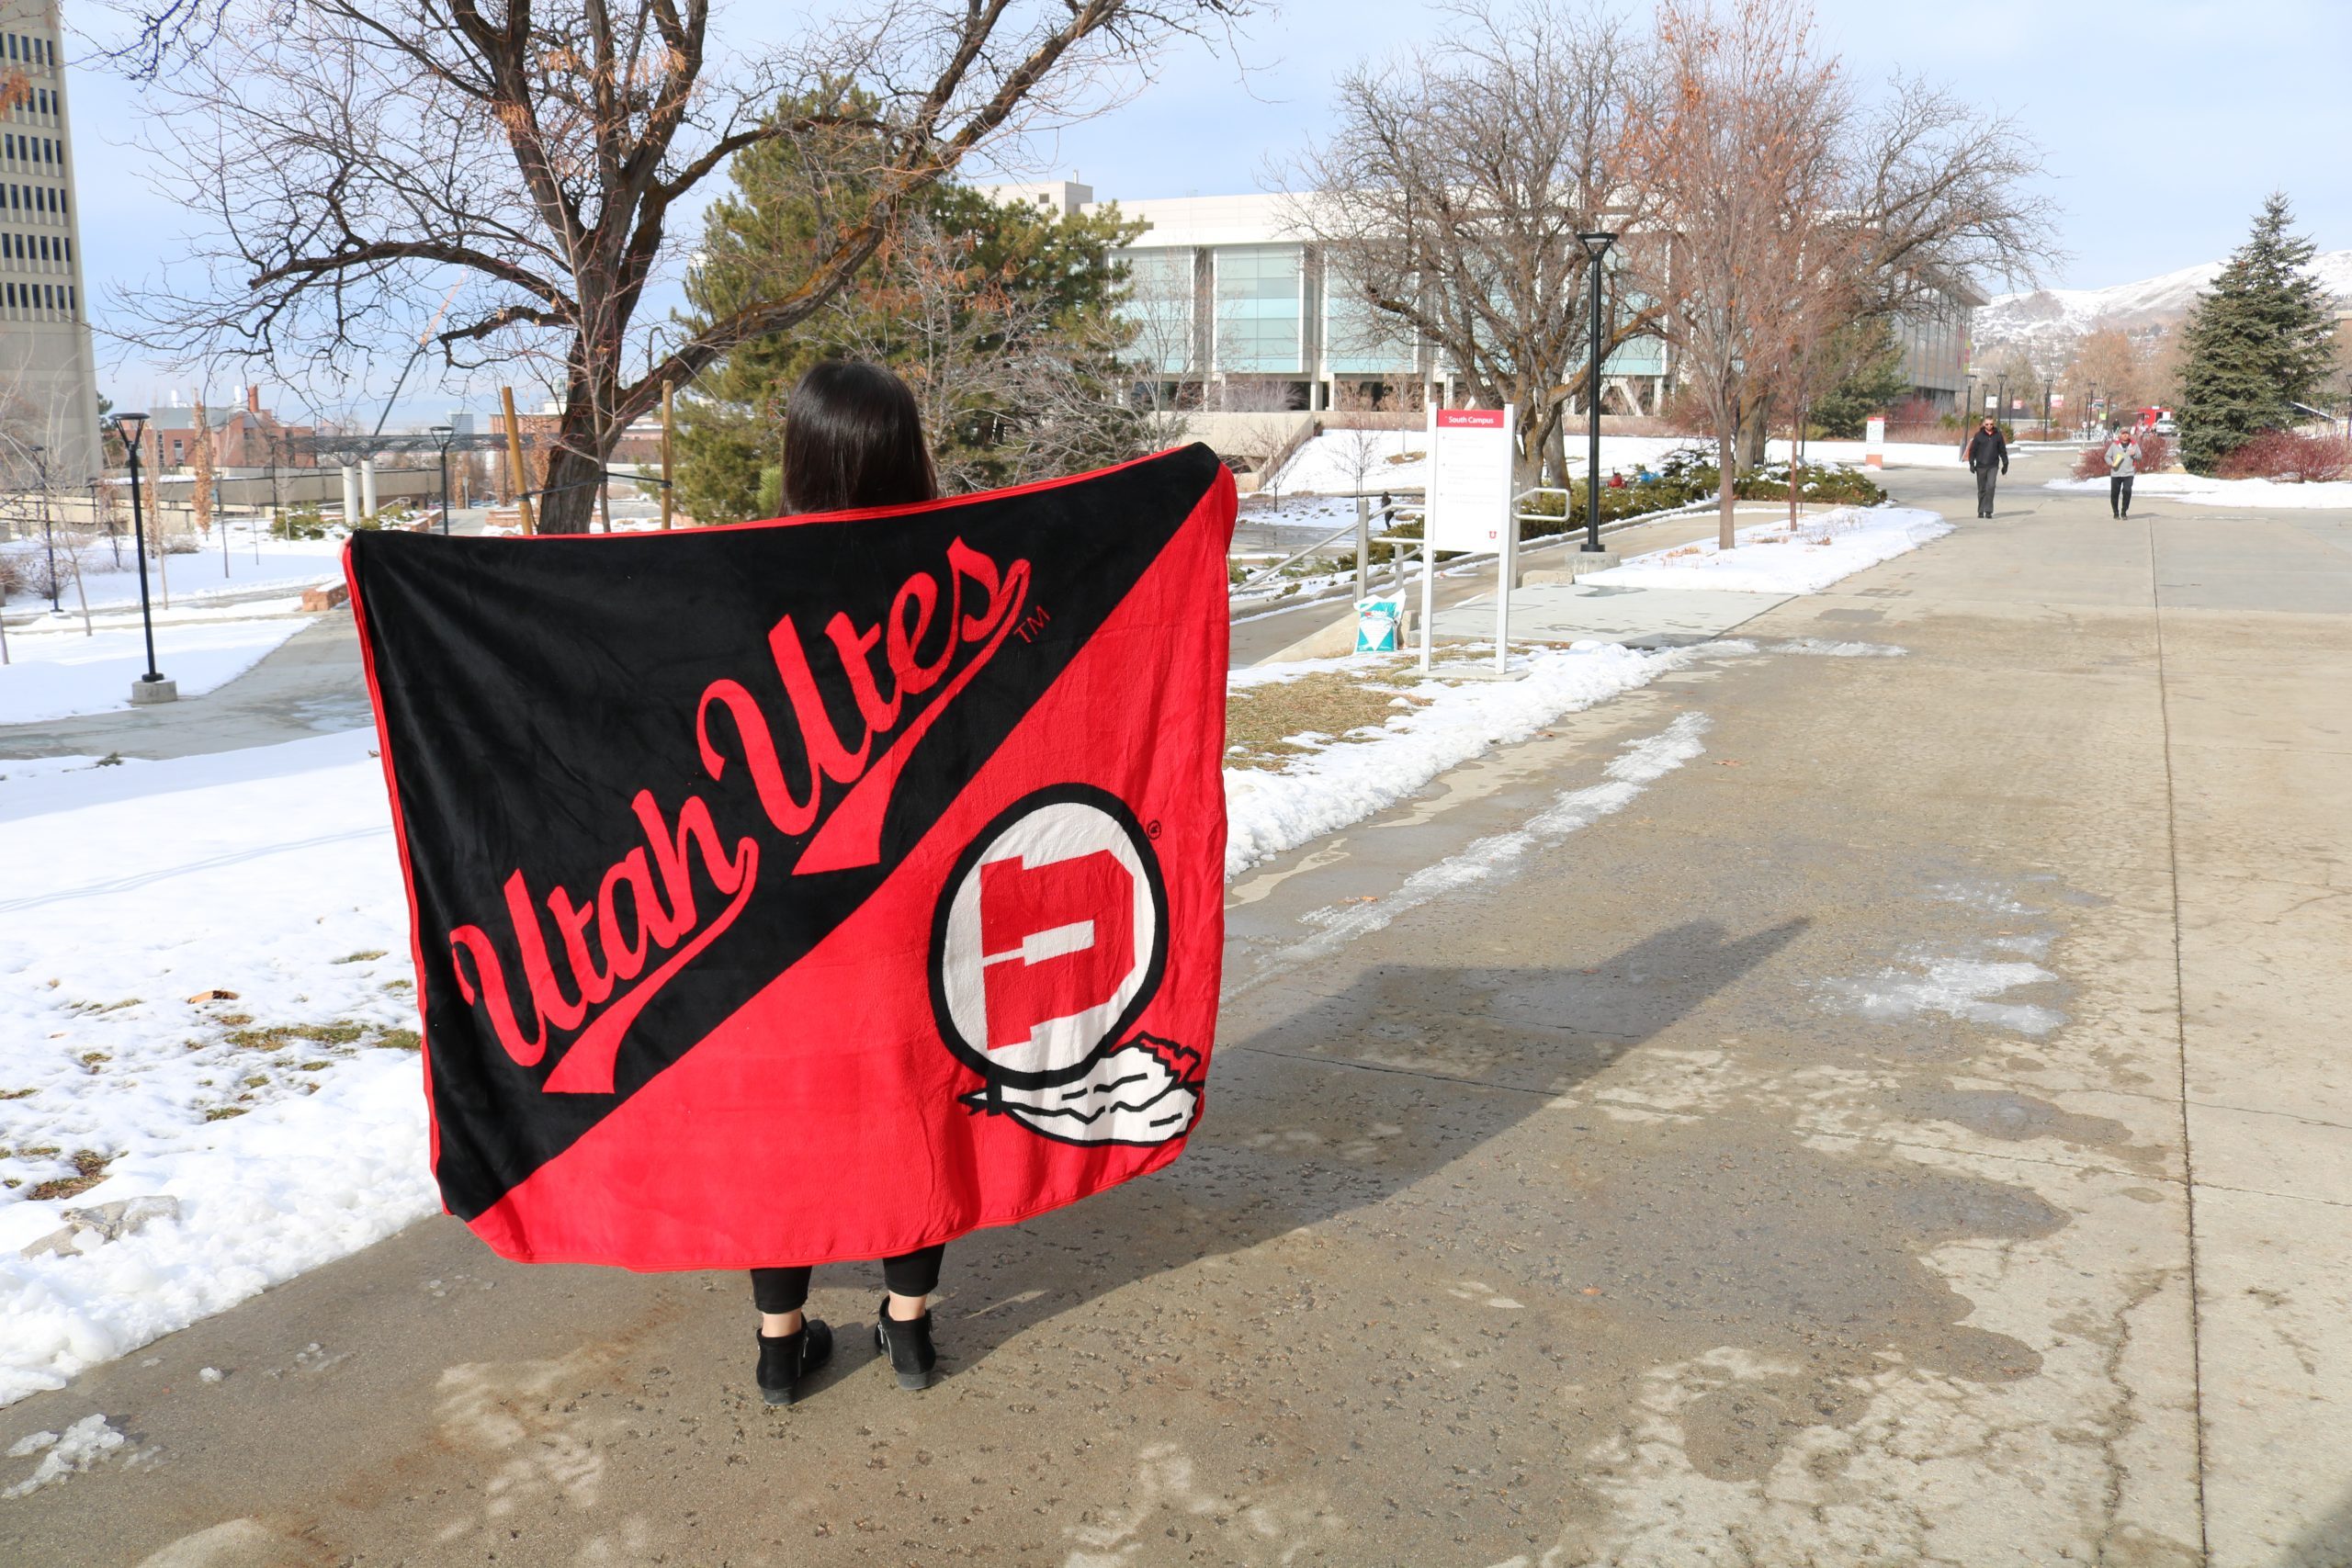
1987, 456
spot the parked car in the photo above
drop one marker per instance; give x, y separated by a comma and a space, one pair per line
2165, 426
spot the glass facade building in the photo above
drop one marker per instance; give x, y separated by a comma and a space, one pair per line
1223, 292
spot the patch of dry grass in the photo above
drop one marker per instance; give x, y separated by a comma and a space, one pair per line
89, 1168
277, 1037
1330, 702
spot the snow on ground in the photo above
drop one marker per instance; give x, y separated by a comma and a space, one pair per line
285, 1118
55, 671
1268, 812
1339, 463
2252, 494
1640, 763
1825, 546
284, 563
1899, 453
1332, 463
63, 1454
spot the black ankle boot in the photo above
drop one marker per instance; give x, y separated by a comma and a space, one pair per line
907, 1344
786, 1358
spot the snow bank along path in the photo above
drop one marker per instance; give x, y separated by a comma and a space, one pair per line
205, 994
2251, 494
283, 1114
1825, 547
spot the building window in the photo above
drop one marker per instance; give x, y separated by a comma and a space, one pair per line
1359, 340
1259, 309
1160, 302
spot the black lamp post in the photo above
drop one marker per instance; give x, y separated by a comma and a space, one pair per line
152, 687
444, 434
48, 528
1596, 245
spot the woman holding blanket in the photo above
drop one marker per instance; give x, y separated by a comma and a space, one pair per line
851, 439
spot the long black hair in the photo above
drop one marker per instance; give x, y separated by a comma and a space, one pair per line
853, 438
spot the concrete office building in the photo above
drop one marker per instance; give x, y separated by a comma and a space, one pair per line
1230, 299
48, 371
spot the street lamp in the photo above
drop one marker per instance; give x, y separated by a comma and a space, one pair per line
1596, 245
152, 687
445, 434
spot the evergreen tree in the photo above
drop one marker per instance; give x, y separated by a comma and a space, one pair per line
2255, 344
1864, 365
1003, 319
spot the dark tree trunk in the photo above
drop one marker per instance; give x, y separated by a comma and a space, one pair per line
1755, 431
570, 498
1726, 497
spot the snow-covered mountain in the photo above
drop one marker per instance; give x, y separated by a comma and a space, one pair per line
2050, 314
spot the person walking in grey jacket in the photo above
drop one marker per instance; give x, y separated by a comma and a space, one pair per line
1987, 456
2122, 462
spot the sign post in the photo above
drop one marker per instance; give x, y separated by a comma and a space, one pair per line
1470, 508
1873, 448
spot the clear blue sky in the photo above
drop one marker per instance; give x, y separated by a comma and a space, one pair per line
2164, 122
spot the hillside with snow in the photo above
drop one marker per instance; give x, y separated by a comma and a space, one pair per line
2049, 315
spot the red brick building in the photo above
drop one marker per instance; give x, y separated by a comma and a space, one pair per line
247, 438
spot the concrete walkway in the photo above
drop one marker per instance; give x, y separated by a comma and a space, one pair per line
1914, 1129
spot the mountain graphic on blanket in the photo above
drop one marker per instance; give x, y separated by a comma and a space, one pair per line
811, 889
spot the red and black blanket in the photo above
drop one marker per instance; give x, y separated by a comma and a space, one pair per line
811, 889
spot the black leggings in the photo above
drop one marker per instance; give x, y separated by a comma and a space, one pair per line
787, 1290
2118, 494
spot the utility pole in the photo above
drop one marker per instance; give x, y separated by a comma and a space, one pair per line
666, 491
514, 461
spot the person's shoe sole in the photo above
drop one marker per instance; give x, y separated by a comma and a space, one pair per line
779, 1395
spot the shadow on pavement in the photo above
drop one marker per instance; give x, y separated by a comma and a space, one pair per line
1339, 1107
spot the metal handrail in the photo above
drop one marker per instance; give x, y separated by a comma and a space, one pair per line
1359, 526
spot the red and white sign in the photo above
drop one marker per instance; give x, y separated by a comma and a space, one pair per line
1470, 463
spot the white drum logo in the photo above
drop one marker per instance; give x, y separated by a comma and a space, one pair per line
1050, 940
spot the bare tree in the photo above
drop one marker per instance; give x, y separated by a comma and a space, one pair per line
2112, 365
1363, 451
1158, 302
1942, 191
357, 156
1743, 149
1934, 191
1453, 186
